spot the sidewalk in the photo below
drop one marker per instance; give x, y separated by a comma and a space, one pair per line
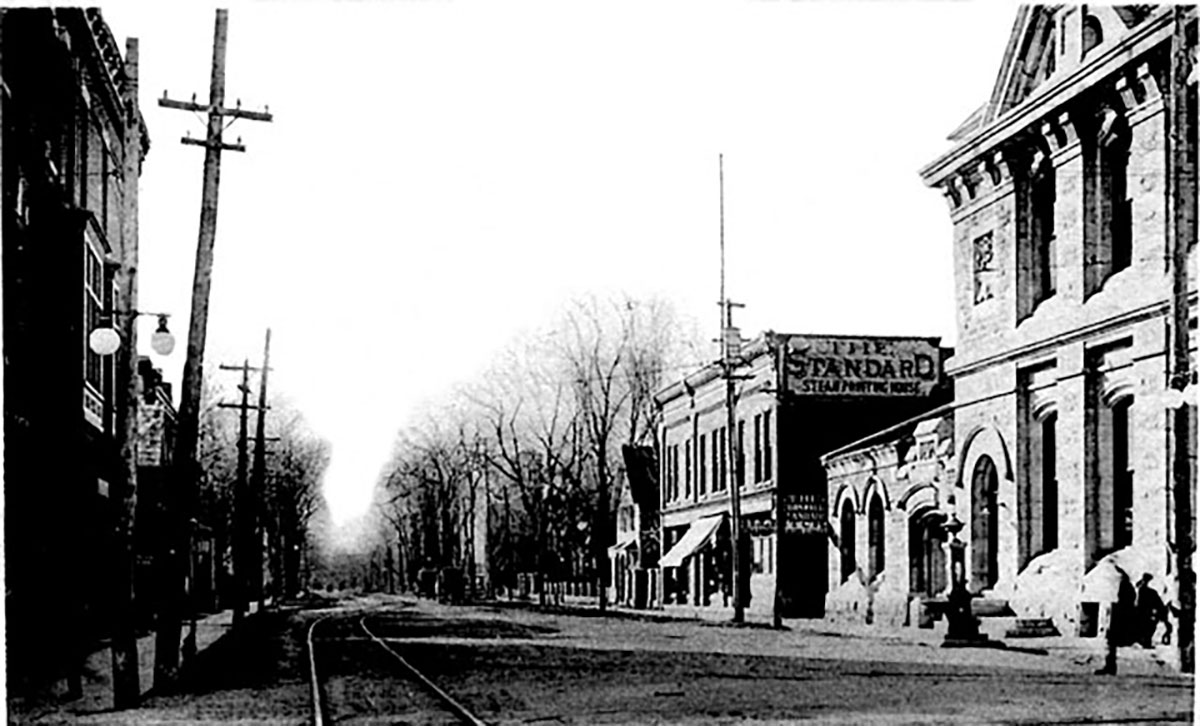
97, 678
1086, 653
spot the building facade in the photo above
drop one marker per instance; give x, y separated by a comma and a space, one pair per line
69, 113
795, 397
891, 497
1060, 207
633, 556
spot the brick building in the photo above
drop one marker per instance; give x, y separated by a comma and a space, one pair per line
796, 397
1059, 203
68, 114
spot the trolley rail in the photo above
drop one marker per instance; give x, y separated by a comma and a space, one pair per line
320, 704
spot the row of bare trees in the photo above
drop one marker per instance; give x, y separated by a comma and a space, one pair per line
295, 462
521, 469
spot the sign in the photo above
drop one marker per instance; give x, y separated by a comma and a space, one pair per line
804, 514
150, 436
844, 366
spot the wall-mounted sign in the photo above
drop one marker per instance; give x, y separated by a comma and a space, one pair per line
830, 365
804, 514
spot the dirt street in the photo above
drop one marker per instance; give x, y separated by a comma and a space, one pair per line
515, 665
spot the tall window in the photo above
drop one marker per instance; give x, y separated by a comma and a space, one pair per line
675, 469
724, 458
1122, 476
768, 455
1049, 482
739, 473
758, 449
1043, 195
702, 466
1109, 507
875, 534
687, 469
93, 306
846, 539
1108, 237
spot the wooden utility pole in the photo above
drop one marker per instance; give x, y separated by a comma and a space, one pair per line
258, 486
126, 688
1181, 235
243, 507
730, 340
176, 551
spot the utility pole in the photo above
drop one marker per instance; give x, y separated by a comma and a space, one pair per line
1180, 236
176, 550
126, 688
730, 341
258, 478
244, 505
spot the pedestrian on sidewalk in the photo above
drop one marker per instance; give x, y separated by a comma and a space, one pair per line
1120, 623
1150, 611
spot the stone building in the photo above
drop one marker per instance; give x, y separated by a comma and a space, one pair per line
796, 397
891, 496
1059, 203
69, 117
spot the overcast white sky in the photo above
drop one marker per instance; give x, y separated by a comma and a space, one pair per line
441, 174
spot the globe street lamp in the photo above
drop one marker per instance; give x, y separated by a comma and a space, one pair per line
106, 341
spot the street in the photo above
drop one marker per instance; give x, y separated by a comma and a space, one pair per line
511, 664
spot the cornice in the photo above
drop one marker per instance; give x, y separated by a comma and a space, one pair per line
1141, 40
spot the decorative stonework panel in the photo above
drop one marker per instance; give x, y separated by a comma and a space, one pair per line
984, 267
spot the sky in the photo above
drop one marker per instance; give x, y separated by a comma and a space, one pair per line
443, 174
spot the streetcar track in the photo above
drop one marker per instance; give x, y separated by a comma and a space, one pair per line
321, 714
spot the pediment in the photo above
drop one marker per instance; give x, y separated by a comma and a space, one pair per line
1030, 58
1047, 41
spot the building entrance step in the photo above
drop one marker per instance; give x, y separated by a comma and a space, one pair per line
1032, 628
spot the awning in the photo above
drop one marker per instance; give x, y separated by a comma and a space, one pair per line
625, 541
693, 540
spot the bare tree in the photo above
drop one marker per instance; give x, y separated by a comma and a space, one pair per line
616, 352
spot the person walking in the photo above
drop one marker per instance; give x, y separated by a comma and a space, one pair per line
1150, 610
1119, 633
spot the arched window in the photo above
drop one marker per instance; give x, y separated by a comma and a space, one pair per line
847, 535
1093, 33
875, 535
985, 525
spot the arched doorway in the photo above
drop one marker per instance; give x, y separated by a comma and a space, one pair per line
985, 525
847, 535
926, 552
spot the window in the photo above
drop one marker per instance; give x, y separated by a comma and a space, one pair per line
1044, 192
846, 536
687, 469
984, 268
1122, 482
1108, 524
93, 307
723, 460
875, 544
739, 474
675, 470
1037, 482
758, 449
701, 467
768, 455
1108, 238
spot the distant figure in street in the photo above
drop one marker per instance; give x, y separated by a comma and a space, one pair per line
1120, 623
1150, 610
